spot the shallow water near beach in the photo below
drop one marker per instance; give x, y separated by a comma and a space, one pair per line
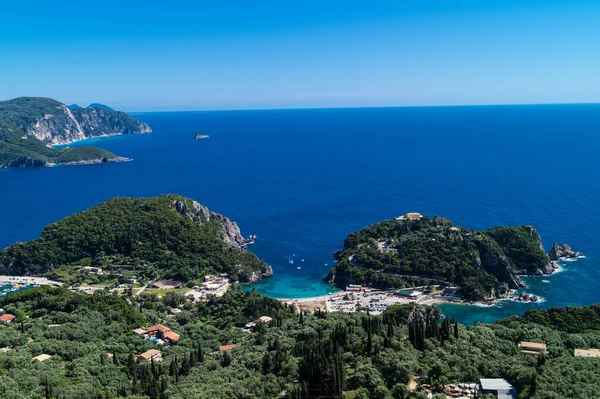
301, 180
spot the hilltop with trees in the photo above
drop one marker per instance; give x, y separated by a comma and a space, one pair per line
167, 236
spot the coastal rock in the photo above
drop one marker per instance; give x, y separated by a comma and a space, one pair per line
562, 251
229, 231
98, 160
258, 275
525, 297
24, 162
421, 313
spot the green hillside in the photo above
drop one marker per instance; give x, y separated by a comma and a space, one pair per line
93, 351
166, 236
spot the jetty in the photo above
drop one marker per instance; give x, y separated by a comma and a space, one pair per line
23, 280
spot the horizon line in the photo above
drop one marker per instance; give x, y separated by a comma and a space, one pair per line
366, 107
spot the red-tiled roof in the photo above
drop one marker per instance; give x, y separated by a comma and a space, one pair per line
170, 335
7, 317
158, 327
227, 347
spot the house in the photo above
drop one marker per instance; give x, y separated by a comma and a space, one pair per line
148, 356
7, 318
141, 331
499, 387
410, 216
587, 352
224, 348
265, 320
157, 330
532, 348
171, 336
5, 349
41, 358
91, 269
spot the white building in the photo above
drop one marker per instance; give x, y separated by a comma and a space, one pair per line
499, 387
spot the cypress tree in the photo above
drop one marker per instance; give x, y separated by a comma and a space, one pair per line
455, 330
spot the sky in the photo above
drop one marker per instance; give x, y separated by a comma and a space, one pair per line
181, 55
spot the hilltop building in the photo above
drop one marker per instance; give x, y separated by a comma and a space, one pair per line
410, 216
149, 356
587, 352
532, 348
41, 358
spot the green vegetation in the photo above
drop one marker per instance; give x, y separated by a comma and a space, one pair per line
29, 124
568, 319
338, 355
166, 236
403, 253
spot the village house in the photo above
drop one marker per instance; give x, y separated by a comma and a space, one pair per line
91, 269
41, 358
229, 347
587, 352
149, 356
532, 348
354, 288
265, 320
7, 318
158, 331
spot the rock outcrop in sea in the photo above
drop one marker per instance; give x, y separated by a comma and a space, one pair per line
562, 251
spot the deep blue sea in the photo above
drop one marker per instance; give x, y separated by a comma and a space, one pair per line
301, 180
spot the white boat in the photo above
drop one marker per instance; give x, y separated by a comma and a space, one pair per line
299, 268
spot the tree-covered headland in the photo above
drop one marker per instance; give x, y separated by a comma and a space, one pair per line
406, 253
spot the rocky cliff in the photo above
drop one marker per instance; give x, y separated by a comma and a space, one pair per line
65, 126
30, 125
229, 231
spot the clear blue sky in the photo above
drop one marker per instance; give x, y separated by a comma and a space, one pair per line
180, 55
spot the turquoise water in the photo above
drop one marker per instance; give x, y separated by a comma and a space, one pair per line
301, 180
4, 287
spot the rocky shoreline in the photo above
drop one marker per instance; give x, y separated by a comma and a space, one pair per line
93, 161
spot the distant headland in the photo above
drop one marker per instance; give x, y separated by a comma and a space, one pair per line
31, 126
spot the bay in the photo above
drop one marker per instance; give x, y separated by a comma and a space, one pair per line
301, 180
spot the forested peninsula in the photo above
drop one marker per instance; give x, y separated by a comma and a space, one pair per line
416, 251
167, 236
30, 126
